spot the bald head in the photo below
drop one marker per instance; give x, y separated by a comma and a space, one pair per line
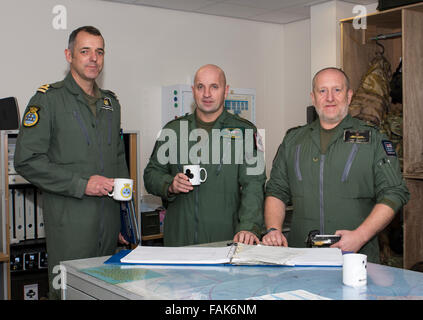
346, 79
209, 90
211, 68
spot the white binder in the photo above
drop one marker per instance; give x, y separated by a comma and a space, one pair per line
11, 154
19, 215
11, 218
29, 214
40, 218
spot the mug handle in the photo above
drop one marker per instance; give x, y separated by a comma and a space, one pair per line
205, 175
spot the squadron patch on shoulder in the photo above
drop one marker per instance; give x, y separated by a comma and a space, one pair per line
43, 88
356, 136
31, 118
389, 148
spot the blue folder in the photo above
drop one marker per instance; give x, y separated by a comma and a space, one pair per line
115, 260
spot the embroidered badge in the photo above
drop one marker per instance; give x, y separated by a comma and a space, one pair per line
355, 136
389, 148
107, 104
43, 88
31, 118
259, 141
232, 133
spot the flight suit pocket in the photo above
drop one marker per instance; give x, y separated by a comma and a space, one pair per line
354, 177
70, 139
296, 181
392, 177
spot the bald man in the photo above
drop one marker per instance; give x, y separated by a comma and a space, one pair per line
341, 175
228, 205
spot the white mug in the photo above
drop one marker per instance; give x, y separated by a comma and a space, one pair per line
354, 269
122, 189
193, 172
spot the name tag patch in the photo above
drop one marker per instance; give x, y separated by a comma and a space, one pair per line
107, 104
389, 148
356, 136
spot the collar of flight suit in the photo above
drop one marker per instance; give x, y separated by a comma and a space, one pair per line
76, 90
346, 123
218, 124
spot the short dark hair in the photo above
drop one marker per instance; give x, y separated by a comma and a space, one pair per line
89, 29
347, 80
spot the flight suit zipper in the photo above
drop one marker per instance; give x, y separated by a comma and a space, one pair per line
100, 140
219, 167
321, 195
196, 210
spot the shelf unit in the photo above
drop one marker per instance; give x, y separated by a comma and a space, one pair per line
152, 237
357, 50
132, 151
4, 218
131, 140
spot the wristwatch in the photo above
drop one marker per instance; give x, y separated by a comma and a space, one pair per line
269, 230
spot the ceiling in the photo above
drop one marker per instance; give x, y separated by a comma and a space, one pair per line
271, 11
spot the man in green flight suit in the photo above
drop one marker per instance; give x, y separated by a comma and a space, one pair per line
341, 175
229, 204
70, 147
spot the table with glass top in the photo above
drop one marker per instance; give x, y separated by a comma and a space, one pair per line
93, 279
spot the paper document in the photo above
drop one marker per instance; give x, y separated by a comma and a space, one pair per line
179, 255
241, 254
258, 254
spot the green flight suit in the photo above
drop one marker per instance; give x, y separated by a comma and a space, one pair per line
230, 200
59, 146
336, 190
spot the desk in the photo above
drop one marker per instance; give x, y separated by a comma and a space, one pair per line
91, 279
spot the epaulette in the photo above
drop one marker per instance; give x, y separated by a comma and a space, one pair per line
111, 93
44, 88
371, 125
180, 117
245, 120
58, 84
293, 128
367, 123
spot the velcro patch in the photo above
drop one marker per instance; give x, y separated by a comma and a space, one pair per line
259, 141
356, 136
233, 133
389, 148
107, 104
31, 118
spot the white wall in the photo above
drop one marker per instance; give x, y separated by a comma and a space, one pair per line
147, 48
297, 72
